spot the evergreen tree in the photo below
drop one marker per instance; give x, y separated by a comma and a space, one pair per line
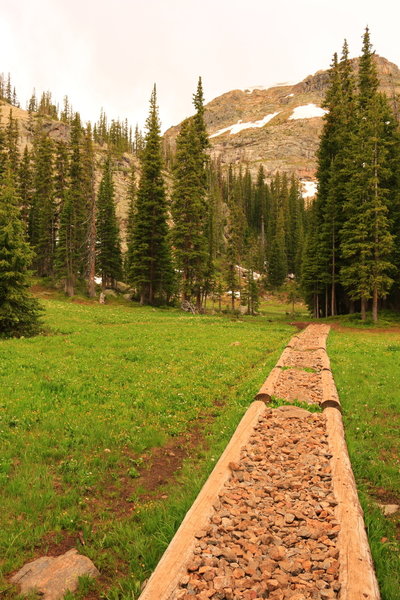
42, 227
71, 255
151, 269
311, 282
25, 183
19, 312
277, 268
12, 136
130, 228
367, 241
188, 211
88, 181
108, 243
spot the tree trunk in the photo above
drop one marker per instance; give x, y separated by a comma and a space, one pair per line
333, 290
326, 301
363, 309
375, 304
69, 287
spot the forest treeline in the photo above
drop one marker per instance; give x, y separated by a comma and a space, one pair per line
196, 230
188, 244
352, 252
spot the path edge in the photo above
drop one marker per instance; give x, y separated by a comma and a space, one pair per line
173, 564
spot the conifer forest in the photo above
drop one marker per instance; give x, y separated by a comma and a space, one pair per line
197, 229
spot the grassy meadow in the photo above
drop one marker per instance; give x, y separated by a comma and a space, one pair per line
366, 367
112, 420
82, 410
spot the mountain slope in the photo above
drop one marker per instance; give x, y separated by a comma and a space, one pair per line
262, 126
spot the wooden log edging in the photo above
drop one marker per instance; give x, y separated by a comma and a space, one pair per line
356, 571
164, 580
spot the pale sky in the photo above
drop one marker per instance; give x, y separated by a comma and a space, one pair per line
108, 53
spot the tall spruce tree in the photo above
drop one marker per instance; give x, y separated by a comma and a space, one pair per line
130, 227
367, 241
25, 185
42, 229
151, 268
109, 263
19, 311
88, 182
188, 211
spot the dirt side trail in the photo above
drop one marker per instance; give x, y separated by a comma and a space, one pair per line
279, 516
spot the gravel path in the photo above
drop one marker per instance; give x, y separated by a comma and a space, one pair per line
273, 530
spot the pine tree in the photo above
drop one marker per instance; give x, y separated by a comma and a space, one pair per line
151, 269
188, 211
25, 183
108, 243
277, 268
19, 312
311, 281
42, 227
88, 181
12, 136
367, 241
71, 255
130, 228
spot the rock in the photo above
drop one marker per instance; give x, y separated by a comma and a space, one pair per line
52, 577
110, 293
289, 518
389, 509
277, 552
128, 296
293, 411
122, 287
102, 298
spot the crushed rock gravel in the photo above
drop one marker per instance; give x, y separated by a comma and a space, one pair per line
273, 532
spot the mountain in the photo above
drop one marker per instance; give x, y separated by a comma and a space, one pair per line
277, 127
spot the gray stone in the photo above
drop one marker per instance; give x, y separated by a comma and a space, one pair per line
52, 577
110, 292
122, 287
389, 509
293, 411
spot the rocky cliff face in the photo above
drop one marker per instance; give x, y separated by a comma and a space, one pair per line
278, 127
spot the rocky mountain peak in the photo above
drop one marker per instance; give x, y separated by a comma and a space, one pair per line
278, 127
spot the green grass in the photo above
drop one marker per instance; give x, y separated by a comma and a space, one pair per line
80, 407
366, 367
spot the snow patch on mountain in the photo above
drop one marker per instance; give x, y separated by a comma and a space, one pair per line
309, 188
309, 111
239, 126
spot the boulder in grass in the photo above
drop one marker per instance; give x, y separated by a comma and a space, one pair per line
110, 293
53, 576
122, 287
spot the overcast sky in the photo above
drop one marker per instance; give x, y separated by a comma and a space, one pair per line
108, 53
